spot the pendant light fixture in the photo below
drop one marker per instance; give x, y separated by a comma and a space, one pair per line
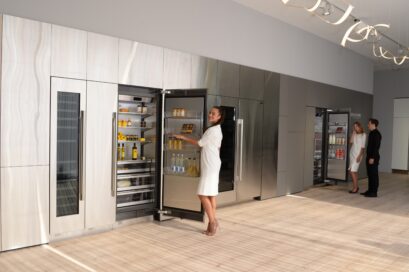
358, 31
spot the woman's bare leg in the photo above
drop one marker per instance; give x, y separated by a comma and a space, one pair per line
207, 205
213, 202
354, 176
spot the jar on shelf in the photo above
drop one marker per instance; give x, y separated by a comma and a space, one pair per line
144, 108
139, 109
170, 143
174, 112
179, 144
182, 112
129, 123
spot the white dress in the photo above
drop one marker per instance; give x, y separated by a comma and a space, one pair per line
210, 161
358, 142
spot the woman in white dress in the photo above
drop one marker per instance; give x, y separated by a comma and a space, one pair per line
358, 140
210, 164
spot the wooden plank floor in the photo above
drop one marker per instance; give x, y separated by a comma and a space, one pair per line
321, 229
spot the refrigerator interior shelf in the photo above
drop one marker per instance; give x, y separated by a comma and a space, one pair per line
134, 176
133, 192
335, 159
141, 128
146, 186
134, 162
134, 203
136, 102
131, 171
142, 143
135, 113
185, 150
183, 117
184, 175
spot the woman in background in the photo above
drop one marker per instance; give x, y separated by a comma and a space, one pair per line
210, 164
358, 141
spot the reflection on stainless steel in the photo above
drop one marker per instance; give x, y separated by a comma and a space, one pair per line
227, 79
204, 73
270, 135
249, 184
251, 83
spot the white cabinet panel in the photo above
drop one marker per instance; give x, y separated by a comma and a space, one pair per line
25, 92
102, 58
401, 107
69, 52
204, 73
177, 70
140, 64
400, 143
24, 206
100, 201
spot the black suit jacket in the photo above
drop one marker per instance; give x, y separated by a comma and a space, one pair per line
374, 143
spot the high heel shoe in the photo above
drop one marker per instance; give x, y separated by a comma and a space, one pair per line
354, 192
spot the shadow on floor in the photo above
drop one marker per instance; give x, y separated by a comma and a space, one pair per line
392, 195
394, 248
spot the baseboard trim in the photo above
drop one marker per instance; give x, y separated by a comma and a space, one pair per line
402, 172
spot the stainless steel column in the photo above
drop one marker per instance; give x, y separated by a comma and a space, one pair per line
270, 135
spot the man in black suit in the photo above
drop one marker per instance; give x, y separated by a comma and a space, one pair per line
372, 158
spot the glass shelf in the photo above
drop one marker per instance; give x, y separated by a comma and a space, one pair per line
127, 204
135, 102
182, 150
134, 162
183, 118
147, 186
141, 128
142, 143
132, 176
136, 113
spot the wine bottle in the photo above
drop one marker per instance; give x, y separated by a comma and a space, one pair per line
123, 152
119, 152
134, 152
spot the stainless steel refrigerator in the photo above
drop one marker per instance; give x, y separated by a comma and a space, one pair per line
157, 174
184, 112
331, 147
337, 157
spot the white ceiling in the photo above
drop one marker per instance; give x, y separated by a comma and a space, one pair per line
393, 12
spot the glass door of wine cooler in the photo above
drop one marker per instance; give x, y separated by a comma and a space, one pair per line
68, 102
184, 113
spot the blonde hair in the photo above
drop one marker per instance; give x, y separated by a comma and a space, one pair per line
361, 129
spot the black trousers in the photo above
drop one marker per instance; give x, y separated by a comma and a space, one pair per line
373, 178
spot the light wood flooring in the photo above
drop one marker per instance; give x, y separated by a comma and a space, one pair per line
321, 229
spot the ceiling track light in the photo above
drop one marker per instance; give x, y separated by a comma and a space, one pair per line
366, 32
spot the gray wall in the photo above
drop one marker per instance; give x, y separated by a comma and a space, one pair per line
387, 86
219, 29
295, 96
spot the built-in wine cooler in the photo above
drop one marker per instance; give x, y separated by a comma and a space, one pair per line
136, 151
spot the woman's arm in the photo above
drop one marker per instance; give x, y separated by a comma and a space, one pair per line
187, 139
360, 155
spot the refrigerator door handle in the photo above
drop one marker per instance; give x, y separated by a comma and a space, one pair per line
81, 156
114, 153
240, 126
